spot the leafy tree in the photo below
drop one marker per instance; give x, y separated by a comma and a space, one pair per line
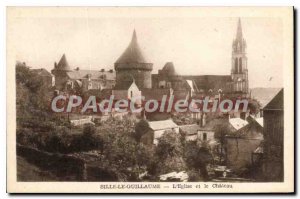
254, 106
140, 129
197, 158
169, 153
221, 130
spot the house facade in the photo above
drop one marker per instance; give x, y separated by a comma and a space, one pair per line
273, 139
157, 129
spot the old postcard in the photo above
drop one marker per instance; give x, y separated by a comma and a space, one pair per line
150, 100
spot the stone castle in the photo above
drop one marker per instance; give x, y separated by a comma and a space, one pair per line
132, 67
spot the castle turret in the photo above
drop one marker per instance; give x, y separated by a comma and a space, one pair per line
60, 72
63, 64
132, 64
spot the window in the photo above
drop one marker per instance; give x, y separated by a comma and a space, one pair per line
236, 63
131, 94
90, 86
240, 65
168, 84
204, 137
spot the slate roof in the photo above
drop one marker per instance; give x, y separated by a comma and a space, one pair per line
63, 63
169, 69
276, 103
190, 129
211, 125
133, 53
264, 95
155, 94
42, 72
237, 123
207, 82
94, 74
163, 124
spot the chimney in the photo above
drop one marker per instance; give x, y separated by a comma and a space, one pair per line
55, 65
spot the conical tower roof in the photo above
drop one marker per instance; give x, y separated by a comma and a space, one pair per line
133, 53
63, 63
169, 68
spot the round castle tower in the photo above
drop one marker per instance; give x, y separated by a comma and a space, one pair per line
60, 72
132, 64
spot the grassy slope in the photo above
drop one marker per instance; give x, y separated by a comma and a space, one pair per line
30, 173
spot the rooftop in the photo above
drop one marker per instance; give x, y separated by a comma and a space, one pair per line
133, 53
163, 124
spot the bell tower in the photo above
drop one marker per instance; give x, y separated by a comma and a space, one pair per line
239, 71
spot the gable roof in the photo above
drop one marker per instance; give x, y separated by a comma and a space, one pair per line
133, 53
190, 129
276, 103
264, 95
251, 130
163, 124
211, 125
41, 72
207, 82
237, 123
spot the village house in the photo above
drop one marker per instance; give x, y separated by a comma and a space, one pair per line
76, 79
190, 131
127, 90
242, 143
273, 139
47, 78
157, 129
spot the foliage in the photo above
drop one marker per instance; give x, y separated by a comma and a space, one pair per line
197, 158
221, 130
141, 128
254, 106
168, 156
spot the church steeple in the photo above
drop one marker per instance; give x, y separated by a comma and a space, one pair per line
239, 32
239, 71
239, 43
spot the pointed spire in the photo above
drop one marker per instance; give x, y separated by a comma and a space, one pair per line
63, 63
239, 32
133, 53
134, 37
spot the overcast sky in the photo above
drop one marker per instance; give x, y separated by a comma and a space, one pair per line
196, 46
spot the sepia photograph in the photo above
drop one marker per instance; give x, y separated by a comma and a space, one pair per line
150, 99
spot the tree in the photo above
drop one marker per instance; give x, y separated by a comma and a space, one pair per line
254, 106
169, 153
221, 130
197, 158
141, 128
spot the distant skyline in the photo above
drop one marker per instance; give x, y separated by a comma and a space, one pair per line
196, 46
